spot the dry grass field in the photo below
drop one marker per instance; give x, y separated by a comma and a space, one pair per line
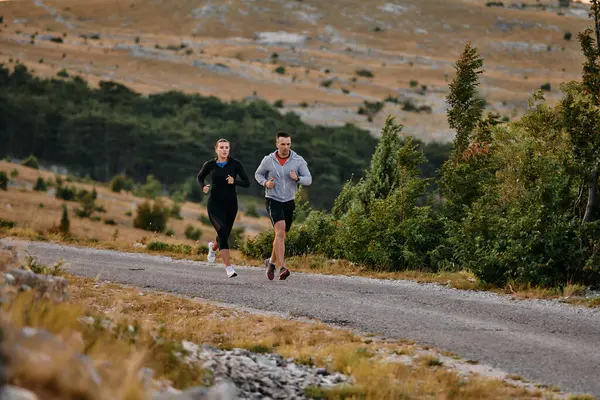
231, 48
39, 211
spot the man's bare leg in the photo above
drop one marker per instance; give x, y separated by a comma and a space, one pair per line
273, 255
279, 244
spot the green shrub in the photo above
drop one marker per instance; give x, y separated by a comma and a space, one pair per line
151, 189
6, 224
546, 87
236, 239
379, 221
110, 221
152, 217
40, 185
173, 248
3, 181
170, 232
260, 246
280, 70
314, 236
14, 173
31, 162
568, 36
176, 211
158, 246
88, 206
192, 233
63, 73
251, 211
179, 196
370, 108
409, 106
67, 193
120, 182
278, 103
205, 220
365, 73
525, 229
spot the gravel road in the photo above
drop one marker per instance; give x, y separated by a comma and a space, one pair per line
543, 341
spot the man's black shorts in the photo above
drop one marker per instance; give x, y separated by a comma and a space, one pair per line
279, 211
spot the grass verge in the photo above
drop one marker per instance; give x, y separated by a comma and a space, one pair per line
311, 343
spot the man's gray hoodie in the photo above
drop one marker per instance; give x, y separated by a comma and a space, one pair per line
285, 187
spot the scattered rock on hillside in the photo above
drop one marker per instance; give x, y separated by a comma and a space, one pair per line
281, 38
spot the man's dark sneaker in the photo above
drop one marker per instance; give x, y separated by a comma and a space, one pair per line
283, 273
270, 269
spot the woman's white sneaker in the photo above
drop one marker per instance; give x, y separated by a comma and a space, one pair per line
230, 271
212, 255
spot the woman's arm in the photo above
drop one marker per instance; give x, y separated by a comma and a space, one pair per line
243, 180
203, 173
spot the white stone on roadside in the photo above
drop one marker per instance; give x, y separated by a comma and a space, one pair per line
16, 393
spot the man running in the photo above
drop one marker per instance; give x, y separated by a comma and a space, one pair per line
281, 173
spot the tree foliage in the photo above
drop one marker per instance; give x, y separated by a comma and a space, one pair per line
111, 130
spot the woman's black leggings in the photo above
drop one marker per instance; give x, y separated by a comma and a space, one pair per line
222, 214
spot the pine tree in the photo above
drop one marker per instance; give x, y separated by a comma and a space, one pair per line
65, 224
465, 171
466, 109
584, 140
3, 181
40, 185
381, 179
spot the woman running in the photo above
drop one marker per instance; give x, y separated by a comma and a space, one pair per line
225, 174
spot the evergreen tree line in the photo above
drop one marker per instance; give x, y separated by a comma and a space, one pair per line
516, 202
111, 130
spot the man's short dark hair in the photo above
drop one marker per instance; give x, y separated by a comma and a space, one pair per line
281, 134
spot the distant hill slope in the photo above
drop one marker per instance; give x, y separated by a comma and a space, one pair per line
232, 48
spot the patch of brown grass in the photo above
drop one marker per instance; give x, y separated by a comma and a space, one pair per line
22, 206
53, 370
321, 265
592, 303
311, 343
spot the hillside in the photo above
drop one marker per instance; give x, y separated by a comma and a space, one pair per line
231, 49
37, 212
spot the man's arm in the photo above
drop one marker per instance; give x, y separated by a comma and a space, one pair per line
304, 176
261, 172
